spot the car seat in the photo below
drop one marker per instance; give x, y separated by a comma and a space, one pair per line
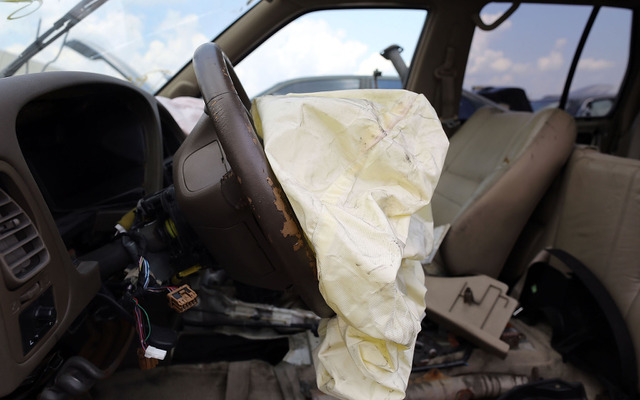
600, 227
499, 165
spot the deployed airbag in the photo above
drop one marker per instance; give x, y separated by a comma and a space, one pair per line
359, 168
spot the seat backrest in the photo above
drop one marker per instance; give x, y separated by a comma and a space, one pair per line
499, 165
598, 222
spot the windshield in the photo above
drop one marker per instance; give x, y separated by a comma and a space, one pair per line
143, 41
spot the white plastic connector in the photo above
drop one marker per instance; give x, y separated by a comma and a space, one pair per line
120, 228
154, 352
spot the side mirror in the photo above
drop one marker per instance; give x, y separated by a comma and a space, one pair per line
595, 108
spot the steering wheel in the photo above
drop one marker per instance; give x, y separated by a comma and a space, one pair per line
227, 106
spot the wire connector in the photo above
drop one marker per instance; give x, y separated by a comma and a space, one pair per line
154, 352
182, 298
145, 362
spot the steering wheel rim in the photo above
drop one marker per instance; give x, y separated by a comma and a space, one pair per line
227, 105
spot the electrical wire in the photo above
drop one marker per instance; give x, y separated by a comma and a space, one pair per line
138, 310
139, 328
148, 322
144, 268
113, 302
159, 289
64, 41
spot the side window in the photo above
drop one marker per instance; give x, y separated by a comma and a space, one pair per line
533, 51
602, 65
329, 50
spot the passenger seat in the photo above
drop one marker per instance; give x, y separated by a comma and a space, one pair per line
499, 165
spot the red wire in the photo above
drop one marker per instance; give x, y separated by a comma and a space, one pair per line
140, 328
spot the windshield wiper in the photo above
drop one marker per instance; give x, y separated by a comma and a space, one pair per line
59, 28
92, 51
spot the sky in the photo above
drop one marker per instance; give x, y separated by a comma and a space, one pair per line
535, 46
532, 49
154, 37
346, 42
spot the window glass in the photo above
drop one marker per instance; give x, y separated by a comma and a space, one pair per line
341, 43
143, 41
534, 48
602, 65
387, 83
307, 85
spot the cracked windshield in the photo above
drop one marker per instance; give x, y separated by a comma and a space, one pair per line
143, 41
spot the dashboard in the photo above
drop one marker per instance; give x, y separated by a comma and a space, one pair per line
76, 151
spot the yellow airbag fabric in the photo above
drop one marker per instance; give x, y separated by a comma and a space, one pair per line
359, 168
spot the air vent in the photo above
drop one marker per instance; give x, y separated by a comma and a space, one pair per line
22, 252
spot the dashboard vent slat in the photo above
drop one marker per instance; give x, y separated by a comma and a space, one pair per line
30, 236
12, 214
17, 225
22, 252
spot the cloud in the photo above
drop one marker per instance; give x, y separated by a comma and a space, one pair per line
592, 64
488, 61
484, 59
489, 18
156, 3
554, 60
312, 45
152, 54
22, 10
174, 43
307, 47
22, 30
482, 39
551, 62
501, 64
116, 26
106, 28
521, 68
501, 80
490, 64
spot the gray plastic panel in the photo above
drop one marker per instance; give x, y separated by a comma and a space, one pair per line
72, 286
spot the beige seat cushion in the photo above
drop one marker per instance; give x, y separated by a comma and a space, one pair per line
599, 223
499, 165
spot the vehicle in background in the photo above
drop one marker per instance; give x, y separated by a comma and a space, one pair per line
469, 101
590, 101
511, 97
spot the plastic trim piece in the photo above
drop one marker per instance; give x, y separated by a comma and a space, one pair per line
22, 252
474, 307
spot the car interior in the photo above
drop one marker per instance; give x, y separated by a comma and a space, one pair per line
119, 231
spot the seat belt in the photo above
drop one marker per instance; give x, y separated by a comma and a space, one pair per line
580, 309
447, 74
